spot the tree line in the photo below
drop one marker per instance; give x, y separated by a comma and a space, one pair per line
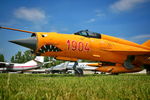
22, 57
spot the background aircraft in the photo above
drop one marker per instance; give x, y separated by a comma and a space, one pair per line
13, 67
64, 67
90, 46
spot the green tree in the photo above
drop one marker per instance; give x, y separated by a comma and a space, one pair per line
47, 59
22, 57
18, 57
28, 56
52, 62
2, 59
12, 59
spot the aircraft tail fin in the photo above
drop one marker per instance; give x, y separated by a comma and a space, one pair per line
147, 43
39, 59
66, 64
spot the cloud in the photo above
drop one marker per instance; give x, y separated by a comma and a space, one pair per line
36, 18
125, 5
30, 14
65, 29
58, 29
1, 49
140, 37
91, 20
99, 13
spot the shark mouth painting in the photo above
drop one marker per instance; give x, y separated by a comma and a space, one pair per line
49, 48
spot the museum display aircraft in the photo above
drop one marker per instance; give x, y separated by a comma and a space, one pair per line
67, 66
21, 67
120, 53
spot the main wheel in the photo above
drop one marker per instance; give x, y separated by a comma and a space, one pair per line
79, 72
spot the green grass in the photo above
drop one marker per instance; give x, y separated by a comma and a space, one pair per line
69, 87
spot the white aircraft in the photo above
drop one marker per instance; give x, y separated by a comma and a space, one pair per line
13, 67
64, 67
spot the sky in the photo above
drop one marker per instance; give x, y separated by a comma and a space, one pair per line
126, 19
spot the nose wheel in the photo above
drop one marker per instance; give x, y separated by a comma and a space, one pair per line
148, 71
77, 71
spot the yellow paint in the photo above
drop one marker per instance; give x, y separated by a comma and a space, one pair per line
105, 49
118, 69
96, 55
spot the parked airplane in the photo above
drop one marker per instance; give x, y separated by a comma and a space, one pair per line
13, 67
64, 67
90, 46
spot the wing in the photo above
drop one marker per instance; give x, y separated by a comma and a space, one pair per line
130, 52
143, 49
5, 64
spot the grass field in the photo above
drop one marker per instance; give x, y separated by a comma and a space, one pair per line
69, 87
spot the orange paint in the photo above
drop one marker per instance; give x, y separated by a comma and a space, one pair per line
118, 69
94, 47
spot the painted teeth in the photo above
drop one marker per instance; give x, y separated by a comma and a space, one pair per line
49, 48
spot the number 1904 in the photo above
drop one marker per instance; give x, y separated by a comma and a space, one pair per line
80, 46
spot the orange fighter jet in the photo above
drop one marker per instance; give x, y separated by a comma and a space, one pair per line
123, 54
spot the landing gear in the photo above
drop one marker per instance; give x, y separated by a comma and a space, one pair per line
22, 72
77, 71
148, 71
114, 73
147, 67
128, 62
103, 72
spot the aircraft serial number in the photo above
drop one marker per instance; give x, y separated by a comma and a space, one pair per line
80, 46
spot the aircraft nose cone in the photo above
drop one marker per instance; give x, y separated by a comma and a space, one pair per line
29, 42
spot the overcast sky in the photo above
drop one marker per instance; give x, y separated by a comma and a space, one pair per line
127, 19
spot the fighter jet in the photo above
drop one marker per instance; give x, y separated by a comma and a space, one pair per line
90, 46
64, 67
16, 67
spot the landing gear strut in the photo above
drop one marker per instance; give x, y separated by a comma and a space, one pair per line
147, 67
148, 71
114, 73
77, 71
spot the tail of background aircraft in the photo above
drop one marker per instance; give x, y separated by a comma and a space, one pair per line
38, 59
147, 43
66, 64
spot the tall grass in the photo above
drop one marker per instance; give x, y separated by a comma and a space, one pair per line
69, 87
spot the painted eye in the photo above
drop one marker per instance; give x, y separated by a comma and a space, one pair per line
44, 35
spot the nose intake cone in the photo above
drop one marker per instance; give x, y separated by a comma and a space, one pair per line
29, 42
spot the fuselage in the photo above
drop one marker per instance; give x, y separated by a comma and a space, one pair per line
20, 67
80, 47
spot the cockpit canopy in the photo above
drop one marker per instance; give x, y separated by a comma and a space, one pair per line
89, 34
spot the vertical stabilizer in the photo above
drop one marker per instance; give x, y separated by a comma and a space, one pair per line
147, 43
66, 64
39, 59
